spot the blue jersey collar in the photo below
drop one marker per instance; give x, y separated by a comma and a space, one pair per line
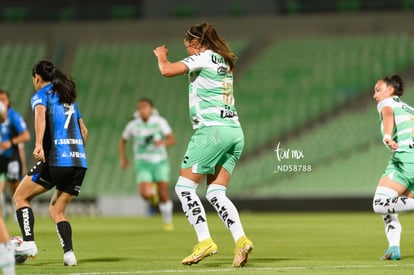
46, 88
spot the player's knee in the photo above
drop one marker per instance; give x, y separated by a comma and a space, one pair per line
378, 207
55, 214
19, 199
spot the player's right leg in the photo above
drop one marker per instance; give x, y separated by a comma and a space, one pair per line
194, 211
393, 233
35, 183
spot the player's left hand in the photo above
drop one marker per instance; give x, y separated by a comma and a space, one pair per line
39, 154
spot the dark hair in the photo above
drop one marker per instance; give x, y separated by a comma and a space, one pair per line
4, 92
62, 84
146, 99
396, 82
208, 37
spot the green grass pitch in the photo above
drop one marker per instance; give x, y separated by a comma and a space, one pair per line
293, 243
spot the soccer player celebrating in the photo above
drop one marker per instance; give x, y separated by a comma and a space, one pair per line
394, 193
151, 134
13, 134
59, 148
218, 141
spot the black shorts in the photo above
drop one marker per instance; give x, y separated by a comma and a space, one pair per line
66, 179
12, 168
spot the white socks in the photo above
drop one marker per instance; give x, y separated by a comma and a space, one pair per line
388, 201
216, 195
166, 209
392, 229
7, 258
192, 207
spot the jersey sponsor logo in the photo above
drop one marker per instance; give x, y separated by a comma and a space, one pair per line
227, 113
216, 59
74, 154
68, 141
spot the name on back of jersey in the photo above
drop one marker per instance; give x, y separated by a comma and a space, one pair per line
68, 141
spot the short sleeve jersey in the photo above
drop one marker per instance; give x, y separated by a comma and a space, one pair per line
144, 134
62, 142
211, 97
13, 126
404, 123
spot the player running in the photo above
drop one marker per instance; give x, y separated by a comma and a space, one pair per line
151, 134
217, 143
7, 260
13, 135
394, 193
59, 148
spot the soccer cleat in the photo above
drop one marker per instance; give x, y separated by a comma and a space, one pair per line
392, 253
69, 259
201, 250
27, 248
243, 247
168, 227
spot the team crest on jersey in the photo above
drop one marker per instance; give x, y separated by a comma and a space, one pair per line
221, 70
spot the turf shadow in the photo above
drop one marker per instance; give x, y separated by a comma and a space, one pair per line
107, 259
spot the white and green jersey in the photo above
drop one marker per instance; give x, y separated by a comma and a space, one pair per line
403, 133
211, 96
144, 134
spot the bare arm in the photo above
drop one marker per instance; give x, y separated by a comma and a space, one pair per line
388, 124
122, 153
167, 68
168, 141
84, 131
22, 155
21, 138
39, 127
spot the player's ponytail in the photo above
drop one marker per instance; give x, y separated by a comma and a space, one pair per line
208, 37
396, 82
62, 84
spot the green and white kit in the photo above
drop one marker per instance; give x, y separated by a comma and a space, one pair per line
151, 161
400, 168
219, 138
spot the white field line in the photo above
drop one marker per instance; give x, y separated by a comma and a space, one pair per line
218, 270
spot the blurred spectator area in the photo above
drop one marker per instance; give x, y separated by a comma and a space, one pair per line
60, 10
304, 82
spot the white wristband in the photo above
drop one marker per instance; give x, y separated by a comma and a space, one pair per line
386, 136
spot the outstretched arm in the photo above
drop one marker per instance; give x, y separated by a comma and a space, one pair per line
167, 68
168, 141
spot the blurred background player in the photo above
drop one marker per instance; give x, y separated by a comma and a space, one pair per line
13, 134
395, 190
6, 250
151, 134
217, 144
60, 151
7, 260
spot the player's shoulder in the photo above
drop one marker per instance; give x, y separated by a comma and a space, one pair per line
389, 102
